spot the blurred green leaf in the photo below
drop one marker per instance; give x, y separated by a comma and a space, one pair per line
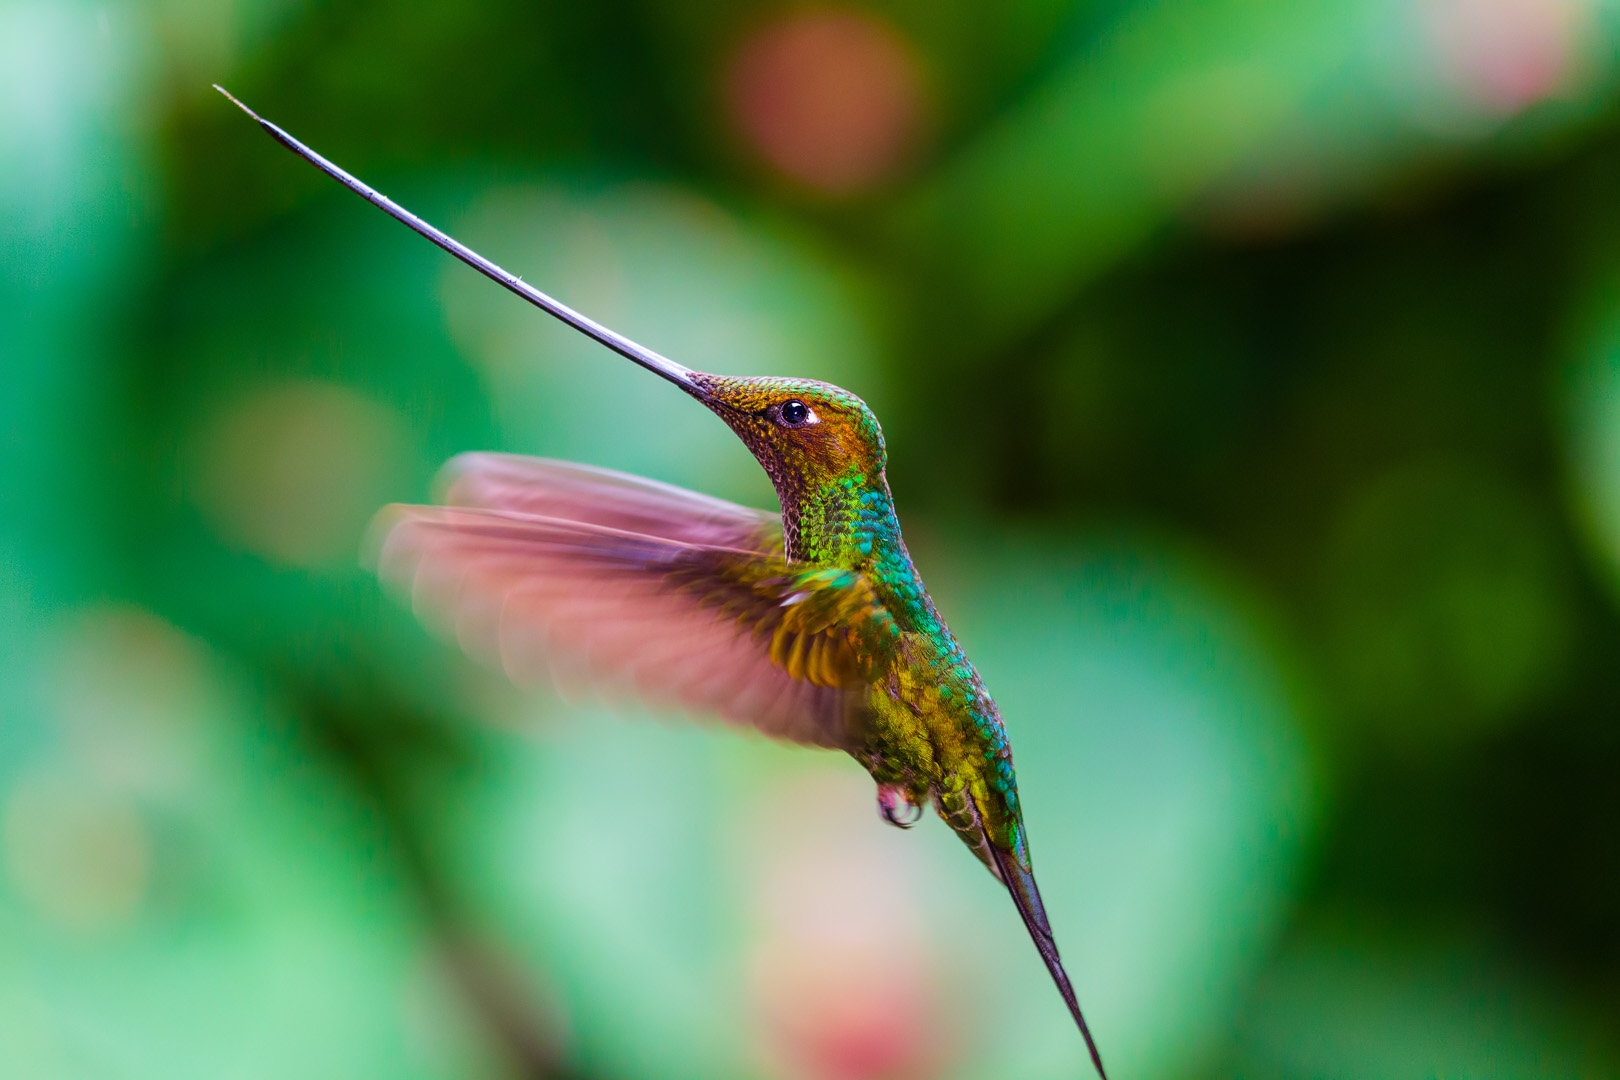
1449, 609
1297, 99
185, 894
1351, 998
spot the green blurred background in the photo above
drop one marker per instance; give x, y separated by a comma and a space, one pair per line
1251, 371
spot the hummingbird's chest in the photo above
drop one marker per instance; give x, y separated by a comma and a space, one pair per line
932, 726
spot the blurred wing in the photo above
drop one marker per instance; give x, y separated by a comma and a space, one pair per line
541, 487
742, 634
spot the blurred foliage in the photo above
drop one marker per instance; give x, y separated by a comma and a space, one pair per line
1251, 380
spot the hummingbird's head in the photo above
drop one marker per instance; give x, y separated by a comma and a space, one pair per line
803, 432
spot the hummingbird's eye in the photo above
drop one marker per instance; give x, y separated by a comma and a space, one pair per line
794, 413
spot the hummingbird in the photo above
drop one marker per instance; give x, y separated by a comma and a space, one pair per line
811, 625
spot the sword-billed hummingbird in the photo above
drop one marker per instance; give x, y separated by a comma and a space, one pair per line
812, 626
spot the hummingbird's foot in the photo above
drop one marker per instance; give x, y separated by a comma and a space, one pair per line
897, 806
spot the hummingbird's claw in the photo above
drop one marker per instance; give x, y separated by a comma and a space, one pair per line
898, 807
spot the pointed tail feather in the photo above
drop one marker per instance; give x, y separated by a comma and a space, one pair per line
1021, 883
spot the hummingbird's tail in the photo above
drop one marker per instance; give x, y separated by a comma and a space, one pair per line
1021, 883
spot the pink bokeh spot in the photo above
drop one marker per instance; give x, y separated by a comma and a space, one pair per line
832, 99
1504, 55
841, 978
842, 1016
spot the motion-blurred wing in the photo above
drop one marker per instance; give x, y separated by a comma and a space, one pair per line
541, 487
738, 633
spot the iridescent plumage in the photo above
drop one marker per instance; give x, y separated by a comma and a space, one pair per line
811, 626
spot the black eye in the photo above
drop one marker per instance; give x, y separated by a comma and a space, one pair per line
795, 413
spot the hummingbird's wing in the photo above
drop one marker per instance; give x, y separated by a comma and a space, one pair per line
713, 629
544, 487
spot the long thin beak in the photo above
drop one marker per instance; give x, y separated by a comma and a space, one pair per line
678, 374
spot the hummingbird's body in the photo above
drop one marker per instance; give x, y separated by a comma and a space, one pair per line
928, 729
812, 625
923, 724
